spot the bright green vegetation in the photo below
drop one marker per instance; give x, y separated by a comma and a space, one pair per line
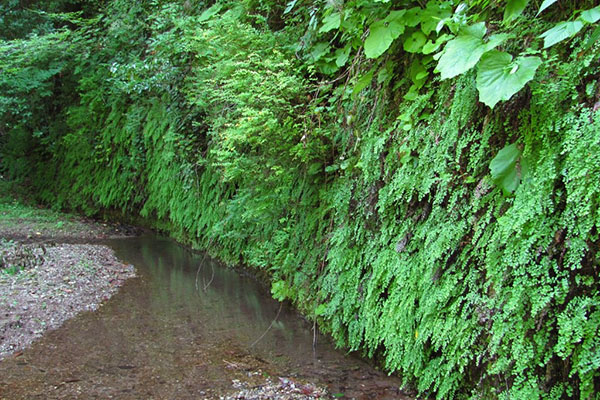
420, 177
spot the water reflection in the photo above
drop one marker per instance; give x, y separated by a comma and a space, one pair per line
213, 299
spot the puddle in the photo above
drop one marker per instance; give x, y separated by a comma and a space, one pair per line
161, 338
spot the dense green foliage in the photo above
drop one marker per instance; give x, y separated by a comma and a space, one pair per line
437, 212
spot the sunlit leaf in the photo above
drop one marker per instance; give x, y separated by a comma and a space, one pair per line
331, 22
462, 53
545, 4
591, 16
290, 6
561, 31
499, 78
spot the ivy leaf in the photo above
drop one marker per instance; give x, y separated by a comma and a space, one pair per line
545, 4
561, 31
462, 53
513, 9
504, 168
414, 43
498, 77
591, 16
382, 34
331, 22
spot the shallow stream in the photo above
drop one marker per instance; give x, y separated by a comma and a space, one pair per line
185, 328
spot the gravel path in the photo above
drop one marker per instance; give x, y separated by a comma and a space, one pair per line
41, 286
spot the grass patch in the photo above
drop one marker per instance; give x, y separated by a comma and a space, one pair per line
15, 206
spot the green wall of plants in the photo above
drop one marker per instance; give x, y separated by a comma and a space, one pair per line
442, 224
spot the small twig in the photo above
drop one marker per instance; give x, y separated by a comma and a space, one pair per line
270, 326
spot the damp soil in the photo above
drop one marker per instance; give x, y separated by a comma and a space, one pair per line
187, 328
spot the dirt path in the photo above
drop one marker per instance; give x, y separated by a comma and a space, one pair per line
43, 282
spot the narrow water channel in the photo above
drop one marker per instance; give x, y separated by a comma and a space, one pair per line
185, 328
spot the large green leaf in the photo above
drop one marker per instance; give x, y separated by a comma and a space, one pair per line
498, 77
545, 4
561, 31
379, 40
382, 34
330, 22
514, 8
462, 53
504, 168
414, 43
591, 16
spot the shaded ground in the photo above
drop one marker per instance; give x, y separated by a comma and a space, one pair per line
22, 222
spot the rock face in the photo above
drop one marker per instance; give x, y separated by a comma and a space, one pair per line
43, 286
